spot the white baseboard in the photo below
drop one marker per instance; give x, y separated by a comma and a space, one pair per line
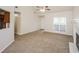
7, 46
18, 33
58, 32
27, 32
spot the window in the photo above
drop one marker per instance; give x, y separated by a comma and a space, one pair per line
59, 24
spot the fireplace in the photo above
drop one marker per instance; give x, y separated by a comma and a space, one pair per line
77, 40
74, 46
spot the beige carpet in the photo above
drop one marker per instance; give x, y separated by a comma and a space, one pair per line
40, 42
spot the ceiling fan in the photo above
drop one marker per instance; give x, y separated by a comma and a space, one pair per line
43, 8
47, 8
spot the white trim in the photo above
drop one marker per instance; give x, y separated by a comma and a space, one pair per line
7, 46
27, 32
58, 32
18, 33
63, 33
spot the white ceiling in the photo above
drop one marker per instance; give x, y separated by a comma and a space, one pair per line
53, 9
58, 8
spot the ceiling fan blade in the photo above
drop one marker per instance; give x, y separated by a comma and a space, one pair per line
48, 9
46, 6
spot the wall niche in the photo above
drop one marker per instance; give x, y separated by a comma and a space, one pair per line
4, 19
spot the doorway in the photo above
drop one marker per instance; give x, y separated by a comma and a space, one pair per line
17, 23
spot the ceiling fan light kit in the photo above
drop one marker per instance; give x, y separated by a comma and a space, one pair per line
43, 9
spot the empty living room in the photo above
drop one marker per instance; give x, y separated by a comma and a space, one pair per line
39, 29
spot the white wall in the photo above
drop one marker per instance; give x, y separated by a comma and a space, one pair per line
7, 35
47, 22
75, 22
42, 23
17, 24
29, 21
76, 12
76, 16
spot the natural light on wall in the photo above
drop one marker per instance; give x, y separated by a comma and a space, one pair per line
59, 24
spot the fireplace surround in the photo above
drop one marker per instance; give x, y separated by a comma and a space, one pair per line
74, 46
77, 40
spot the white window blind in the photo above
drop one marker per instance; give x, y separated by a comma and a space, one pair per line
59, 24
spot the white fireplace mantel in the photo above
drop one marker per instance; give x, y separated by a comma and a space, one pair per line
72, 45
